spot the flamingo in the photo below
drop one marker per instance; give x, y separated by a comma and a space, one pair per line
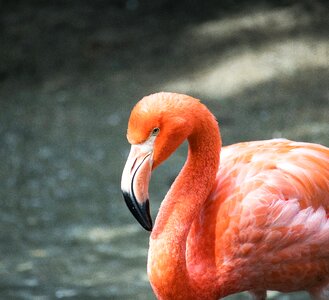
251, 217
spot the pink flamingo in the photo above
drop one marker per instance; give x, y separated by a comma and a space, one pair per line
247, 217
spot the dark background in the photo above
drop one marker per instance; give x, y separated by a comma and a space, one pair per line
70, 72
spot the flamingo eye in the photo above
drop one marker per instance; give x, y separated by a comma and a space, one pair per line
155, 131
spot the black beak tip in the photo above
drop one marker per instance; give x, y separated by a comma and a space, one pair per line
145, 209
141, 211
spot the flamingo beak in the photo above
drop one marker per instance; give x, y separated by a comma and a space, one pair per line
135, 181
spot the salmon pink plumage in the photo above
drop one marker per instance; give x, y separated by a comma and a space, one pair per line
247, 217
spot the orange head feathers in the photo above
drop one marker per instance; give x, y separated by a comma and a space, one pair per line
158, 124
165, 116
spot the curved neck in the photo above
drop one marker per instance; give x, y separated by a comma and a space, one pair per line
167, 261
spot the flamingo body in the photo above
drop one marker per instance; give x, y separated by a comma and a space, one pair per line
247, 217
267, 216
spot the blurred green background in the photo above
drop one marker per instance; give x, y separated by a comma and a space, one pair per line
70, 72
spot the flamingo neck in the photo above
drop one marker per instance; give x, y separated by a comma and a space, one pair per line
167, 255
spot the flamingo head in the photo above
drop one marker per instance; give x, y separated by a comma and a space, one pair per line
158, 124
